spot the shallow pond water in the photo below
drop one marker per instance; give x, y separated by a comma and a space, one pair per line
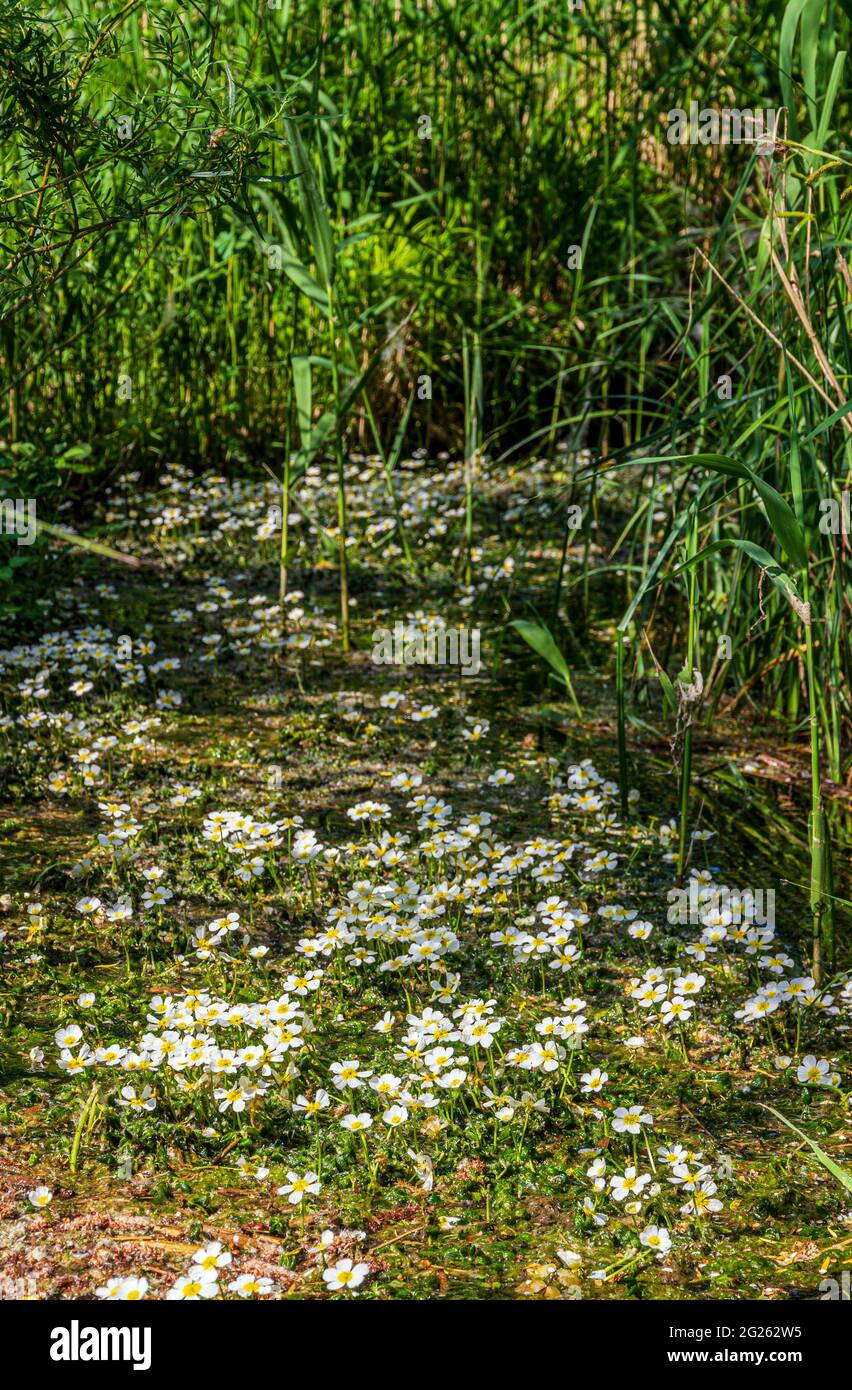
380, 932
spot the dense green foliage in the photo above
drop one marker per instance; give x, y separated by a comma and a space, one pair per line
146, 174
316, 315
233, 235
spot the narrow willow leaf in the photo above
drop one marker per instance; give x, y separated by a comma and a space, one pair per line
540, 638
317, 223
835, 1169
85, 543
667, 687
779, 512
782, 581
302, 386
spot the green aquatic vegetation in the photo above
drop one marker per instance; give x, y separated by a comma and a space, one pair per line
351, 957
424, 685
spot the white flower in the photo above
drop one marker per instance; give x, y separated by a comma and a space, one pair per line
656, 1238
702, 1200
68, 1036
143, 1101
197, 1284
40, 1196
211, 1257
593, 1081
119, 1290
815, 1073
689, 984
357, 1122
629, 1120
675, 1010
349, 1075
295, 1188
249, 1286
628, 1185
345, 1275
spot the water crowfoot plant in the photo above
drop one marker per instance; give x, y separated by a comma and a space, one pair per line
519, 969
